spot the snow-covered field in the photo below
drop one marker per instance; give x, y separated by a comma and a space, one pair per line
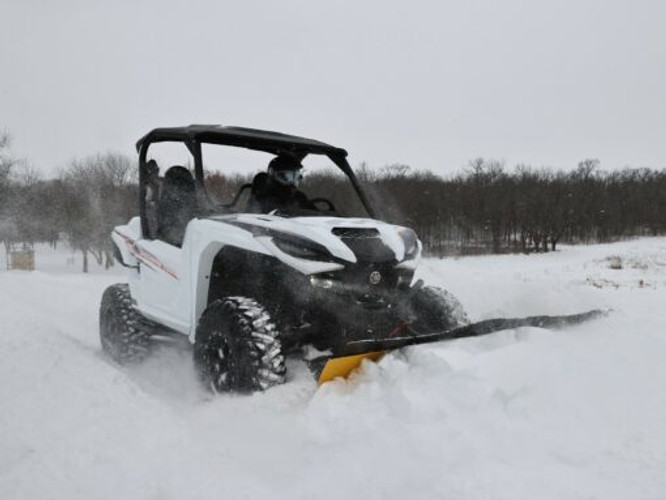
522, 414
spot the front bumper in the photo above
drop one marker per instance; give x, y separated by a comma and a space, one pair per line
343, 311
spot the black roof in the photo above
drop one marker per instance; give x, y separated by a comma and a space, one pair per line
261, 140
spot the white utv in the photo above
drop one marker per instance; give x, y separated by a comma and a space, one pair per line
248, 287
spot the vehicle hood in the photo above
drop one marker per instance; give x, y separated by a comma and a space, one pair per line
322, 231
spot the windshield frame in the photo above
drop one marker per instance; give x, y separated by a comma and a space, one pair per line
337, 156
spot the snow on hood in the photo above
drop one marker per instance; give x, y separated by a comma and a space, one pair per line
319, 229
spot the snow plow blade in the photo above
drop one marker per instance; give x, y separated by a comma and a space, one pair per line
349, 356
342, 366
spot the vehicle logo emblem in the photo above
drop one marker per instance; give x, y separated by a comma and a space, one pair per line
375, 278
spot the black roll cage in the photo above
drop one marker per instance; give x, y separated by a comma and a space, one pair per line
193, 136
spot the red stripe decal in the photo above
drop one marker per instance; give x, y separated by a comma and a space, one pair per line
145, 256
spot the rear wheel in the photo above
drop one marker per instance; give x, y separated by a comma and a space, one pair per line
120, 326
237, 347
436, 310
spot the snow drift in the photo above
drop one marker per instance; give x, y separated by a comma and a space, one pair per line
525, 413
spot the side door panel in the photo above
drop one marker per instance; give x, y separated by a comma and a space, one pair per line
165, 280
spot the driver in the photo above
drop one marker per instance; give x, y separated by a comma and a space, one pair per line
277, 189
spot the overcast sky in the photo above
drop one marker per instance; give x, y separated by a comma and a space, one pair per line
430, 84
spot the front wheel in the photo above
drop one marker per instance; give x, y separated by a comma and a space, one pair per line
237, 347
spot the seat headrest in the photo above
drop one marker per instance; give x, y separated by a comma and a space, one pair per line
178, 176
260, 182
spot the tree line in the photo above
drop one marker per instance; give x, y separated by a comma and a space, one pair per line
485, 208
489, 209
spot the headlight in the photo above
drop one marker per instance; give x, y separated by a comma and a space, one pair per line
411, 242
324, 283
301, 248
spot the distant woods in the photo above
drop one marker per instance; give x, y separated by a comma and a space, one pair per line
485, 208
489, 209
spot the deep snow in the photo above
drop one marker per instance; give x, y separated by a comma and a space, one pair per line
521, 414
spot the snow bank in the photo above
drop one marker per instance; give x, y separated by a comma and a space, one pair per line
520, 414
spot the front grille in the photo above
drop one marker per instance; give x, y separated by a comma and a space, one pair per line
357, 278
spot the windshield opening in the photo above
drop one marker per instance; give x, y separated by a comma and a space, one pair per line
241, 181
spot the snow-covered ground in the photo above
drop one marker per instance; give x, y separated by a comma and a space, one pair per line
522, 414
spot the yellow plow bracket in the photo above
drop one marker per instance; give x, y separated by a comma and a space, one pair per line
342, 367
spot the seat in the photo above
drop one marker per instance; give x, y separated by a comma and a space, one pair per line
258, 193
177, 205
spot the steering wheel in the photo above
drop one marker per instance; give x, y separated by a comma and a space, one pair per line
239, 193
330, 206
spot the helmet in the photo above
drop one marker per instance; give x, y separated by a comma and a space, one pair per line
286, 170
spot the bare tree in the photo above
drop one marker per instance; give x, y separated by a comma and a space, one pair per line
96, 194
